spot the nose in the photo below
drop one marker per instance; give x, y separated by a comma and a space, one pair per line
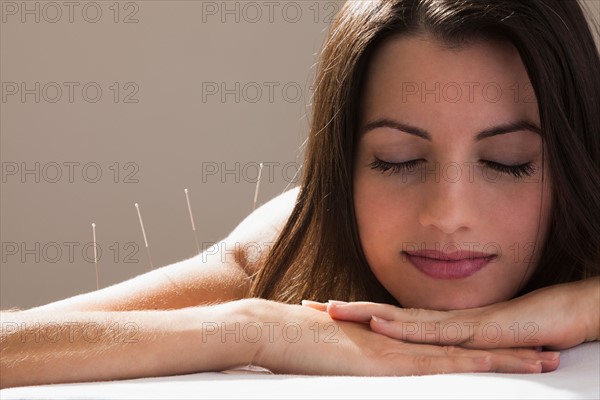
449, 205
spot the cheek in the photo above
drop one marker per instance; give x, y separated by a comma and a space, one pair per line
384, 214
516, 217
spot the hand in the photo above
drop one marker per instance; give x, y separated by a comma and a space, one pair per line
556, 317
307, 341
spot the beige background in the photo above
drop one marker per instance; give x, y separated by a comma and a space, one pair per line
153, 131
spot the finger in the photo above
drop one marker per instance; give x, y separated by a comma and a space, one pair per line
425, 365
542, 362
450, 350
505, 363
432, 332
515, 360
315, 304
358, 311
515, 365
469, 333
518, 351
449, 332
361, 311
408, 358
428, 365
550, 359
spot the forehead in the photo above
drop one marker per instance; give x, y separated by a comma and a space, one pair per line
418, 79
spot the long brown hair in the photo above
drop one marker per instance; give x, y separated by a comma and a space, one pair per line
318, 253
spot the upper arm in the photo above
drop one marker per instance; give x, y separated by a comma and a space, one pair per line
256, 234
220, 273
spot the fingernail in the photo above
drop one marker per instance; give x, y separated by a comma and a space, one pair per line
337, 302
549, 355
379, 320
533, 362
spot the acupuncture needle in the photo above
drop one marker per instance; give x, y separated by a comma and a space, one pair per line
257, 185
187, 198
144, 234
293, 179
95, 254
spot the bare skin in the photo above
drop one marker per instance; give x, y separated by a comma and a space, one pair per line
159, 324
196, 316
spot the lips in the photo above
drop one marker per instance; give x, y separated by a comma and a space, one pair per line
456, 265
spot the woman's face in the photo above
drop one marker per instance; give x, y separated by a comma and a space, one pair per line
448, 186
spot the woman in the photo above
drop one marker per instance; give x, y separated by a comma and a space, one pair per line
443, 172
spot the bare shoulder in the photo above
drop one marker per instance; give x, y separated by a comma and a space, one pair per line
206, 278
256, 234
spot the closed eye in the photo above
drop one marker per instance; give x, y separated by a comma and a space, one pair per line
396, 168
518, 171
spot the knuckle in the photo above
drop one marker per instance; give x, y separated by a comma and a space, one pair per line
422, 365
413, 312
450, 350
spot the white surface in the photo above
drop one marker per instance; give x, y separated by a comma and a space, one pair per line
577, 377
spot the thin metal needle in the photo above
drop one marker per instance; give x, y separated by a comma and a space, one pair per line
95, 255
191, 219
144, 233
257, 185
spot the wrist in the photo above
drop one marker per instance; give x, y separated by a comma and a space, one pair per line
226, 334
252, 322
261, 320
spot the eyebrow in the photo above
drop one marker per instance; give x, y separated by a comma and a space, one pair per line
486, 133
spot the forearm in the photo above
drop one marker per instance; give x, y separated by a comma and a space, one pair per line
40, 348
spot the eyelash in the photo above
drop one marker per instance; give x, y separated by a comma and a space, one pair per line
396, 168
518, 171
